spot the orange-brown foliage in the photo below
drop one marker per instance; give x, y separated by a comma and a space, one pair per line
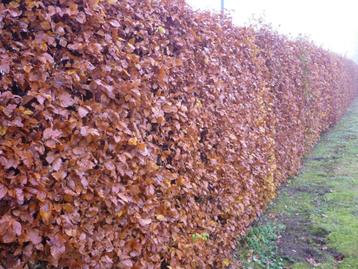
141, 133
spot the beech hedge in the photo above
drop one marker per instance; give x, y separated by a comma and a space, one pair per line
143, 134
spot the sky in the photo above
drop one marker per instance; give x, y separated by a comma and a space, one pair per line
331, 24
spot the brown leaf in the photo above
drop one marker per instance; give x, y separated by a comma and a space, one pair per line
3, 191
34, 236
81, 17
4, 67
50, 133
65, 99
92, 3
56, 165
9, 229
127, 263
145, 222
115, 23
83, 112
57, 246
17, 227
46, 212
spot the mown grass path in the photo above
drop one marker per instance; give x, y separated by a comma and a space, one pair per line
313, 223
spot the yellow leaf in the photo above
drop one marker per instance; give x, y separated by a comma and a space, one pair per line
43, 46
27, 68
152, 166
181, 181
167, 182
68, 208
133, 141
161, 30
206, 60
45, 215
71, 72
160, 217
2, 130
131, 46
120, 214
226, 262
27, 112
125, 72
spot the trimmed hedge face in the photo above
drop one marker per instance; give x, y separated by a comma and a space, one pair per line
138, 134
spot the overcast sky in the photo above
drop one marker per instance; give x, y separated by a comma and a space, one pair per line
332, 24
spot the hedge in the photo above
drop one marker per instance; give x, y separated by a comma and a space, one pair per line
143, 134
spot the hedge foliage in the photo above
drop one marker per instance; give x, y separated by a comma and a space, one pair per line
140, 134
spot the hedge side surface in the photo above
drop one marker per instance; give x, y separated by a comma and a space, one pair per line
142, 134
